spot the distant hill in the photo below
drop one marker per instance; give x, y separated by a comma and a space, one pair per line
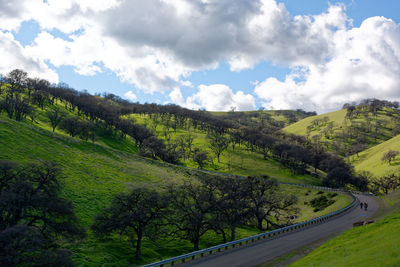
265, 118
352, 130
371, 159
234, 160
301, 127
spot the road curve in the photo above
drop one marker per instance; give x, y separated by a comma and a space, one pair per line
261, 251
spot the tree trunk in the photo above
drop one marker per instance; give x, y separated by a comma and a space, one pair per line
233, 233
139, 245
223, 235
196, 244
259, 224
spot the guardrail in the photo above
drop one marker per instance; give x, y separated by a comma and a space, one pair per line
253, 238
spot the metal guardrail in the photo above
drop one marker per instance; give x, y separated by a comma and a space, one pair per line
257, 237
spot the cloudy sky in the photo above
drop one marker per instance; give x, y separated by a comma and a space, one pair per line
212, 54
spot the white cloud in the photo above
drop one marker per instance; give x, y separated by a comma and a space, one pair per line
157, 44
13, 56
364, 63
13, 13
215, 97
130, 96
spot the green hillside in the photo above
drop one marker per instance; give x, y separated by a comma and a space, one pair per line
376, 244
300, 127
101, 159
94, 173
352, 130
370, 159
238, 160
277, 118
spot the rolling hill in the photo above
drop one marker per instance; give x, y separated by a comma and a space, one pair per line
300, 127
102, 159
371, 159
94, 172
238, 160
349, 131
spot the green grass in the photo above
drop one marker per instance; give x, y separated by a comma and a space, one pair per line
370, 159
239, 161
305, 195
274, 114
300, 127
94, 173
376, 244
347, 132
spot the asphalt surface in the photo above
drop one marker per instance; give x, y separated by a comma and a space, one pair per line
262, 251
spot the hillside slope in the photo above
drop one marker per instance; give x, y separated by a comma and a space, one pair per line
376, 244
300, 127
239, 160
370, 159
94, 173
352, 130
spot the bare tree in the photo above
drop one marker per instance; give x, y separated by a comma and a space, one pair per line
389, 156
268, 204
136, 215
191, 205
200, 158
55, 116
218, 143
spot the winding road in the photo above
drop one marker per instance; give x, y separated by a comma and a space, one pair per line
262, 251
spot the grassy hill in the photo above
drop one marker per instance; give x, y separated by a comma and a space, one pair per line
239, 161
348, 132
370, 159
376, 244
94, 172
277, 118
300, 127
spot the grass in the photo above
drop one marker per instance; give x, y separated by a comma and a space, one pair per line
239, 161
339, 134
94, 173
370, 159
300, 127
376, 244
274, 114
306, 195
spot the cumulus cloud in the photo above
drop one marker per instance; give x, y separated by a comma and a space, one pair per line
215, 97
364, 63
130, 96
13, 56
156, 45
12, 14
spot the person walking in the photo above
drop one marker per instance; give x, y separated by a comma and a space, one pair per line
361, 205
366, 206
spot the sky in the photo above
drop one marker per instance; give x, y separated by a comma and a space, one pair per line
217, 55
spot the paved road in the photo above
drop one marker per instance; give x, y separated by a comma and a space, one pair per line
262, 251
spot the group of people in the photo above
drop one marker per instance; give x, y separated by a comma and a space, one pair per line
365, 205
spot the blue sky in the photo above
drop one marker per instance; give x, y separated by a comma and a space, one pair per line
221, 62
